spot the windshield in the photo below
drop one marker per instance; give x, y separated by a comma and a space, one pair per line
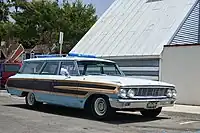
98, 68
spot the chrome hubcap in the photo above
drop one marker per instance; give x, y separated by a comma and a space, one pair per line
31, 98
100, 106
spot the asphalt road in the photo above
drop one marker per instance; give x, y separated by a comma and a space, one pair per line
15, 117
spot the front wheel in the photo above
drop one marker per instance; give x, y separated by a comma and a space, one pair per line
100, 108
151, 113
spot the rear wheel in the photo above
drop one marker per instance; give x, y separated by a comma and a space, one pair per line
30, 100
100, 108
151, 113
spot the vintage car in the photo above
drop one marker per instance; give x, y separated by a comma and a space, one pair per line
7, 70
97, 85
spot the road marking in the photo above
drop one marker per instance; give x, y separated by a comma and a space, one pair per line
187, 122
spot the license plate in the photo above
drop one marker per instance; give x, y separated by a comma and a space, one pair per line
127, 104
152, 105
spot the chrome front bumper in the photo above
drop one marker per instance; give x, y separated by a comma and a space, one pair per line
141, 104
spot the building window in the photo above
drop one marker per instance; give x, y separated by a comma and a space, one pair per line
11, 67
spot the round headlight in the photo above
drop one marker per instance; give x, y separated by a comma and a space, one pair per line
131, 93
174, 93
169, 93
122, 93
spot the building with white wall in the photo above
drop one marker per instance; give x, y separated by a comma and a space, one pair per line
180, 65
134, 32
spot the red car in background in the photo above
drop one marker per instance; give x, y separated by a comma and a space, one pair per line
7, 70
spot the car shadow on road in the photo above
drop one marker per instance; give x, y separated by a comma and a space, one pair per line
119, 118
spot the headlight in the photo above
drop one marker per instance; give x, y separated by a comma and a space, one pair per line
122, 93
169, 93
131, 93
174, 93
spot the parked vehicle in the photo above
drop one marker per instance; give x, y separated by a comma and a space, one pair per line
97, 85
7, 70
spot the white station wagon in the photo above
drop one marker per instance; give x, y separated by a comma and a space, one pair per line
97, 85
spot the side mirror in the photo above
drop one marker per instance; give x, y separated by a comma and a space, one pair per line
64, 72
67, 75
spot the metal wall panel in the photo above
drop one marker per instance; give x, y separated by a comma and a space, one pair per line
189, 31
140, 68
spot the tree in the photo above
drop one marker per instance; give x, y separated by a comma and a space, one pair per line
80, 17
16, 4
9, 33
4, 11
35, 19
39, 22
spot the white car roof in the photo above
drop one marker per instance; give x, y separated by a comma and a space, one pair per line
69, 58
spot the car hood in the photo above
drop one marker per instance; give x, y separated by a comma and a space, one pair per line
127, 81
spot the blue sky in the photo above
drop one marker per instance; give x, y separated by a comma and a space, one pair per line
101, 5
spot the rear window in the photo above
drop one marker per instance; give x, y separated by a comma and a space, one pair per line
11, 67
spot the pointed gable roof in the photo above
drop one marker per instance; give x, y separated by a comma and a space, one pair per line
189, 30
135, 28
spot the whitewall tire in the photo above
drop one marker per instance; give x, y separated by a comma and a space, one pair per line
100, 108
30, 100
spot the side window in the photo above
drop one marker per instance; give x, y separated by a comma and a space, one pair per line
31, 67
81, 69
110, 70
68, 68
50, 68
93, 70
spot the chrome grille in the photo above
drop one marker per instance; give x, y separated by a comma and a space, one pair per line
150, 92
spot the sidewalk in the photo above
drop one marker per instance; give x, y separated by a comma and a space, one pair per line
183, 109
177, 108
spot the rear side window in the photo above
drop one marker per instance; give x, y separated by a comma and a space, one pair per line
50, 68
31, 67
11, 67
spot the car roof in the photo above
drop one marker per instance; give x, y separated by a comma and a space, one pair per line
68, 58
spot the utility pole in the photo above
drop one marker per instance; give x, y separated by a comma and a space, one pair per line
61, 41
